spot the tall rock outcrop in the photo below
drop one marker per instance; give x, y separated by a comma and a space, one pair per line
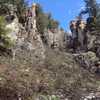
26, 37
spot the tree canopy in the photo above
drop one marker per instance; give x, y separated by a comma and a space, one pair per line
20, 5
45, 20
92, 8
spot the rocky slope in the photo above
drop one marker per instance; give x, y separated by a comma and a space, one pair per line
58, 75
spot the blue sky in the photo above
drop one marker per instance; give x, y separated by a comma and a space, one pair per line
62, 10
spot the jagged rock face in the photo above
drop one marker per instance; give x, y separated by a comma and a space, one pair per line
24, 39
78, 38
28, 37
97, 46
91, 39
81, 33
38, 45
49, 37
56, 39
25, 49
59, 38
93, 42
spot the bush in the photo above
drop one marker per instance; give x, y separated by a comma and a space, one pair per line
4, 39
3, 31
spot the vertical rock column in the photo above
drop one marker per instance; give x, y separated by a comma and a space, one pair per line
34, 16
37, 41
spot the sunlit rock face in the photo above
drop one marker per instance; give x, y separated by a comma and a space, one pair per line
40, 50
91, 39
77, 28
37, 43
59, 38
34, 15
33, 36
28, 36
55, 39
81, 33
49, 37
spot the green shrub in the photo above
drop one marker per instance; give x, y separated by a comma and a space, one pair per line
45, 20
4, 39
3, 31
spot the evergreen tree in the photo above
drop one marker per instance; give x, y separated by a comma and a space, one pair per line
20, 5
92, 8
45, 20
42, 19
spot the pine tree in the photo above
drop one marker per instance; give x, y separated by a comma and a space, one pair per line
92, 8
45, 20
20, 5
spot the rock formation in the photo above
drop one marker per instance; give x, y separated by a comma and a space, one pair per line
28, 36
55, 39
77, 28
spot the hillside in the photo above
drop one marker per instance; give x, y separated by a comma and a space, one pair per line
40, 61
57, 75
